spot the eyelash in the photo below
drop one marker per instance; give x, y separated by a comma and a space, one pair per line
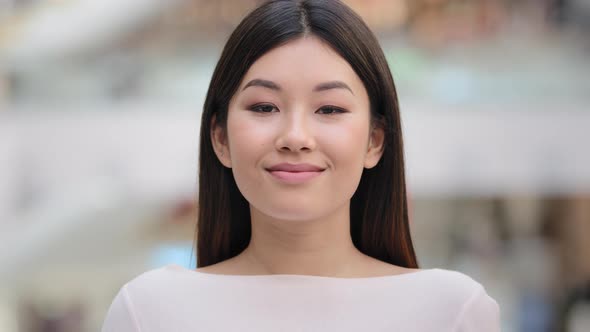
335, 110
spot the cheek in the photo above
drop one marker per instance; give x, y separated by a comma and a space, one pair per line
345, 144
348, 147
246, 138
249, 143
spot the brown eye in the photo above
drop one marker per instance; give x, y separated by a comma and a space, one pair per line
328, 110
263, 108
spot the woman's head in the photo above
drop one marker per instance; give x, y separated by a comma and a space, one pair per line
299, 107
302, 83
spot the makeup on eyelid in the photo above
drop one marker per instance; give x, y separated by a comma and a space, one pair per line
269, 108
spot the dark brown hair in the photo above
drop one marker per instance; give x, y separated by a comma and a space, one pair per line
378, 210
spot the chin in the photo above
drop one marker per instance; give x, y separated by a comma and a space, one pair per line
297, 211
293, 212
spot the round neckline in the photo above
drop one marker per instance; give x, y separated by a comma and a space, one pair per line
300, 276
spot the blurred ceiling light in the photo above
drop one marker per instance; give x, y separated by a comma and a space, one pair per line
382, 15
56, 29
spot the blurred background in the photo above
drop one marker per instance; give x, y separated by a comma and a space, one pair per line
100, 103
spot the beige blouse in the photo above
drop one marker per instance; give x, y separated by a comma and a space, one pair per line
176, 299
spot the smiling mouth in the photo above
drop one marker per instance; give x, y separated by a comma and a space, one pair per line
294, 173
294, 177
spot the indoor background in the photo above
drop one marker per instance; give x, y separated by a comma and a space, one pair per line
100, 104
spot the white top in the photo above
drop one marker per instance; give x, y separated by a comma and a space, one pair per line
173, 298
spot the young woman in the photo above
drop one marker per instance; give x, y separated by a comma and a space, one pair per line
303, 220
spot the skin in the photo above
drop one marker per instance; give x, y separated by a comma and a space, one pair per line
300, 228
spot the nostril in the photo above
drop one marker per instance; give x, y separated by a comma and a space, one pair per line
303, 148
295, 141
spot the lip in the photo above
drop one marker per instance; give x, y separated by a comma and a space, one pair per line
287, 167
295, 173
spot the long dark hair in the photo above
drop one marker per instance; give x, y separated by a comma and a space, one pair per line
378, 210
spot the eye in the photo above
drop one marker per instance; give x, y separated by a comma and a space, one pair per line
262, 108
328, 110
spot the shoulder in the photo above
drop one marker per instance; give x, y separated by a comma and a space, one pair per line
123, 313
451, 280
165, 280
448, 285
447, 298
468, 301
154, 275
170, 283
160, 296
164, 296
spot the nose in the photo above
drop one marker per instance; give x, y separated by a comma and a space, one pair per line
295, 133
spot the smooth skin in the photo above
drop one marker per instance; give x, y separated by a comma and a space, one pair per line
300, 103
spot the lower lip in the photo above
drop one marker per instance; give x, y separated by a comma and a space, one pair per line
294, 177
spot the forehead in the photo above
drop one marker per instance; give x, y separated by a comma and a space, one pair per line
302, 62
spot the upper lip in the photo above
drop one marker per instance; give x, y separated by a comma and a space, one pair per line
286, 167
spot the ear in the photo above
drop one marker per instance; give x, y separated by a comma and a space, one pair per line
375, 147
220, 143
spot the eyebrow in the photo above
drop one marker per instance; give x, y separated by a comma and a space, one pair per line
318, 88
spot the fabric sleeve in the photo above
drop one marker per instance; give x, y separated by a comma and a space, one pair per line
480, 313
120, 316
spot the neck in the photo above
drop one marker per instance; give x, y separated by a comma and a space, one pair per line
321, 247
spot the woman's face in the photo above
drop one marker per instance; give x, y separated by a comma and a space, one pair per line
298, 132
